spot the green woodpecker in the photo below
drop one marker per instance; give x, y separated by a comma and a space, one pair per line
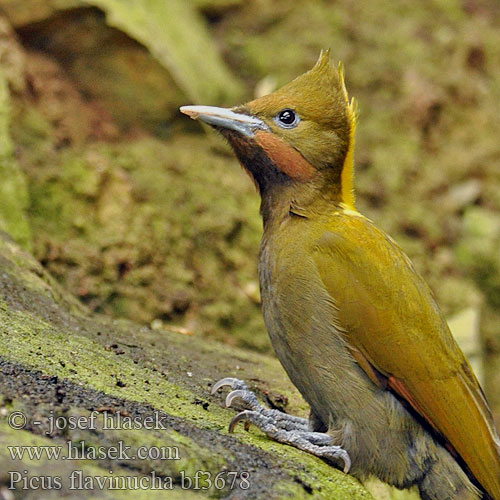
354, 325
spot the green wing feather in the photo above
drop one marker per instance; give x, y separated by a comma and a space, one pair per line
390, 316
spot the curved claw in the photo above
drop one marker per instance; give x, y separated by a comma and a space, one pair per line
347, 461
222, 382
344, 456
232, 395
242, 416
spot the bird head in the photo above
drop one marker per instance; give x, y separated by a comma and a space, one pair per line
300, 135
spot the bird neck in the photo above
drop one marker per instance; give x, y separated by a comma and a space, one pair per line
322, 195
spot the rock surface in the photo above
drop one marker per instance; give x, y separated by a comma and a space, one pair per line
58, 361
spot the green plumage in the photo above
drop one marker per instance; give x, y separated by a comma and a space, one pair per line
342, 288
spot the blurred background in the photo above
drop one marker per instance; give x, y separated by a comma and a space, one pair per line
142, 214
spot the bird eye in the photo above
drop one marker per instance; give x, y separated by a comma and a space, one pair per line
287, 118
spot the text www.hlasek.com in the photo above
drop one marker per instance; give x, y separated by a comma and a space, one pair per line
80, 451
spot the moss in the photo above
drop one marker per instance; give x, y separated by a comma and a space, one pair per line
141, 231
13, 191
55, 355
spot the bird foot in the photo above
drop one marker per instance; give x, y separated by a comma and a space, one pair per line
241, 391
279, 426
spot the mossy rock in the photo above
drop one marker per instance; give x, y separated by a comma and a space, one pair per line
59, 361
